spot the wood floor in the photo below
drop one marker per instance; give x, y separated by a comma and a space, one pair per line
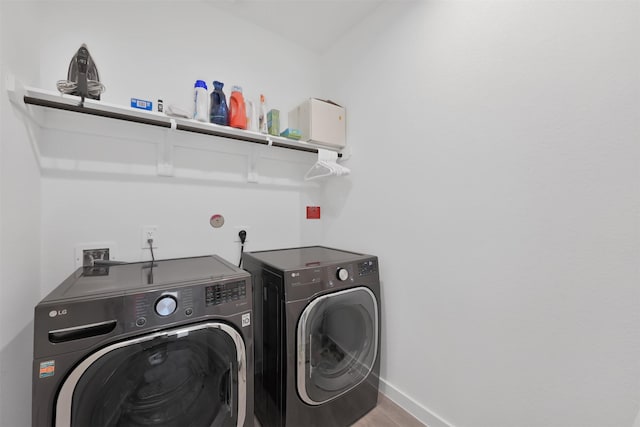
386, 414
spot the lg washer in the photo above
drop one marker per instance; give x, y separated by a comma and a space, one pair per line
317, 335
141, 344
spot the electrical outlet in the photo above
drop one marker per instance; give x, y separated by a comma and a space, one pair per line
149, 232
237, 230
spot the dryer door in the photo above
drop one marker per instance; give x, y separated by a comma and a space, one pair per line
337, 344
191, 376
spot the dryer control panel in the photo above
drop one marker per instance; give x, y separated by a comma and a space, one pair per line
366, 268
305, 282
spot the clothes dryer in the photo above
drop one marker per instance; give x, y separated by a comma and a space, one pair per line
317, 335
142, 344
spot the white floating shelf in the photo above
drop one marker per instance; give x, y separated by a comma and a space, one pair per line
121, 149
50, 99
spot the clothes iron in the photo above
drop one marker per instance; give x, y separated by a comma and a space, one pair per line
83, 79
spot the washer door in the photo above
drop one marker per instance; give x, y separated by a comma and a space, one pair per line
191, 376
337, 344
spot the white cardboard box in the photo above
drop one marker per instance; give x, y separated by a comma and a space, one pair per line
320, 122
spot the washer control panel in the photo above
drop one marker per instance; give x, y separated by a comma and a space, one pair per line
161, 307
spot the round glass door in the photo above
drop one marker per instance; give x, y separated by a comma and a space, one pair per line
186, 377
337, 344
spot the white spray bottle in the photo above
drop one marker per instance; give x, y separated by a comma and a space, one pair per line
262, 121
252, 119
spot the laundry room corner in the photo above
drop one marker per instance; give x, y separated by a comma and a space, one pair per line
470, 256
20, 232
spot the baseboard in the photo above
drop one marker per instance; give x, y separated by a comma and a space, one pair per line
425, 415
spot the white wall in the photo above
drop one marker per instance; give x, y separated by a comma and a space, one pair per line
161, 58
96, 210
19, 225
496, 174
159, 49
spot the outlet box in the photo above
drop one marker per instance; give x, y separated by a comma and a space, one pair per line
89, 256
85, 253
149, 232
237, 230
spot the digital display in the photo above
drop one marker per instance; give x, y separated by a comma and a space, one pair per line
367, 267
225, 292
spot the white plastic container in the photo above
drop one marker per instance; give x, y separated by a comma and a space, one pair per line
201, 101
321, 122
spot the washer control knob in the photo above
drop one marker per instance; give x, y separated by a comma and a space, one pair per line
342, 274
166, 305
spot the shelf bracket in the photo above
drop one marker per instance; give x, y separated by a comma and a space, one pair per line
345, 153
252, 164
15, 90
165, 152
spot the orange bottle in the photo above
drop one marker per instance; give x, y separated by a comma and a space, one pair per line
237, 109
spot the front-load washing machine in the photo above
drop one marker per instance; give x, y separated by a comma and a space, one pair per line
141, 344
316, 335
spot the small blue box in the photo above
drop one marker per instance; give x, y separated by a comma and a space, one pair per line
142, 104
291, 133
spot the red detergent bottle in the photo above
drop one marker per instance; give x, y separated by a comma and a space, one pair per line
237, 109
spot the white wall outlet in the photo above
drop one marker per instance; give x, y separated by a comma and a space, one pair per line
237, 230
84, 252
149, 232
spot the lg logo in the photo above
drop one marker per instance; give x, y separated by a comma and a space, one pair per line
54, 313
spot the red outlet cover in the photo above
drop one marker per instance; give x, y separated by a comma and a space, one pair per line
313, 212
